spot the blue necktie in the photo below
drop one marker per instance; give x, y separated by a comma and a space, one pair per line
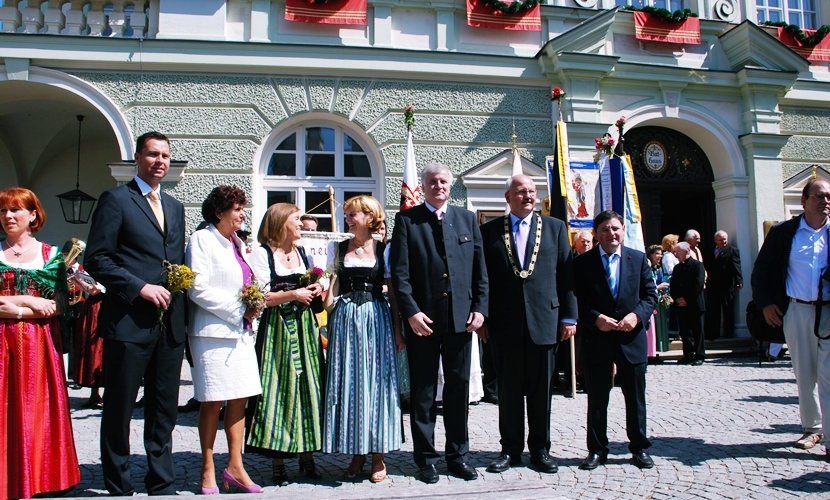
610, 275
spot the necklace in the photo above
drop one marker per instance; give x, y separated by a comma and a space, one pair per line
360, 248
522, 273
16, 253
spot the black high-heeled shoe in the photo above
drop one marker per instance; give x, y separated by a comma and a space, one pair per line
280, 474
310, 469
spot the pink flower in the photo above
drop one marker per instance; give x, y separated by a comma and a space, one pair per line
317, 271
620, 121
409, 109
556, 94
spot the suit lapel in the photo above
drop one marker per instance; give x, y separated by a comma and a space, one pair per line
531, 241
144, 205
625, 270
169, 208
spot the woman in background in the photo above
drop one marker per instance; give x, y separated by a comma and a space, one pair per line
38, 448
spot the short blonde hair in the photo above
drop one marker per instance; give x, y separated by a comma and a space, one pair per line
367, 205
669, 241
272, 228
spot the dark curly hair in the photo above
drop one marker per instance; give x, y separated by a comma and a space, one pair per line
222, 199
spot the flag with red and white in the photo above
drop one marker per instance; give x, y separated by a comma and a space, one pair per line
410, 190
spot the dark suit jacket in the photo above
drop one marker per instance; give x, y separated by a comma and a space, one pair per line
724, 271
687, 281
769, 275
544, 297
637, 293
125, 251
421, 272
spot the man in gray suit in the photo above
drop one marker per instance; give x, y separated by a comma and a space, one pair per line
440, 282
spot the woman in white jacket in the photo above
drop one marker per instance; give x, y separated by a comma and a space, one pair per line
220, 334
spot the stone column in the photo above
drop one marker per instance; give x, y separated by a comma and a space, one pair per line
32, 17
75, 18
53, 18
138, 20
118, 19
10, 16
96, 19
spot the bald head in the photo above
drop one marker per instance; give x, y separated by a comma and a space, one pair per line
520, 193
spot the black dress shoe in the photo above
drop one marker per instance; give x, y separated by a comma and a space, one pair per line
685, 361
593, 460
697, 362
428, 474
490, 398
191, 406
544, 462
642, 460
504, 462
463, 470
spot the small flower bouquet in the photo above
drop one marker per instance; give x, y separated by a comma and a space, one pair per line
605, 144
620, 122
409, 116
663, 298
180, 279
556, 94
311, 276
253, 296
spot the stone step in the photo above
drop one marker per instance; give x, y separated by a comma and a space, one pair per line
720, 348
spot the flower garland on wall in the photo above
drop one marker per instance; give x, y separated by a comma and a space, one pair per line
511, 8
802, 37
666, 15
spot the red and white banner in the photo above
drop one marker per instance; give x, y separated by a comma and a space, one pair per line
326, 12
649, 27
410, 191
817, 52
480, 15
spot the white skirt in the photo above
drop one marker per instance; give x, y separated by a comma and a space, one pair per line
224, 369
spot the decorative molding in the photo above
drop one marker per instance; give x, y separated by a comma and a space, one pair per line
747, 45
589, 36
124, 171
725, 10
588, 4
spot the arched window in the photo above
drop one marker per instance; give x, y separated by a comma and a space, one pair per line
309, 159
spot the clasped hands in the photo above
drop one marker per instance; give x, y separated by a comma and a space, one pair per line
609, 324
419, 322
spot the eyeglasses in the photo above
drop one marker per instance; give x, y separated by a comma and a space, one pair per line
821, 196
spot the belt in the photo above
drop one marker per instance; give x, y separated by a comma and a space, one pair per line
362, 286
808, 302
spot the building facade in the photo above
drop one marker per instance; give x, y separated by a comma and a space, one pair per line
287, 110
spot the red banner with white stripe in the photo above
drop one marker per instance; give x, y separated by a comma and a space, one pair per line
326, 11
817, 52
480, 15
649, 27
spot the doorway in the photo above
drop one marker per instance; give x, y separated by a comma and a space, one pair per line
674, 183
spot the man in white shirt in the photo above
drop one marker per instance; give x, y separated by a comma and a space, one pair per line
789, 283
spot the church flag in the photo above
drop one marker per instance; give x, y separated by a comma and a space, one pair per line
557, 168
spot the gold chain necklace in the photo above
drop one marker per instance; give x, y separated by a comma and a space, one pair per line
521, 273
359, 250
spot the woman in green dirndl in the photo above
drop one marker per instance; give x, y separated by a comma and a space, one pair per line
286, 418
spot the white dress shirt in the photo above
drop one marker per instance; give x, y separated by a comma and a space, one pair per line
808, 260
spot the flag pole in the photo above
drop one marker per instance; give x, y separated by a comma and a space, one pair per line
331, 210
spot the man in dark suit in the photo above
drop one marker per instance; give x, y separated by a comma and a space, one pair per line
135, 229
725, 278
687, 281
440, 282
532, 307
616, 297
791, 284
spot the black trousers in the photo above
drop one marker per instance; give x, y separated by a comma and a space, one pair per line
719, 304
454, 349
599, 372
691, 333
489, 377
125, 363
524, 371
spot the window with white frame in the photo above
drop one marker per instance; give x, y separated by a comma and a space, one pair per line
802, 13
310, 158
671, 5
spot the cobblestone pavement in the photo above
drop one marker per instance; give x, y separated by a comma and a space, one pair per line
722, 430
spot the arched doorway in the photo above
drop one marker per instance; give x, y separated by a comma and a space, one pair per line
674, 184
